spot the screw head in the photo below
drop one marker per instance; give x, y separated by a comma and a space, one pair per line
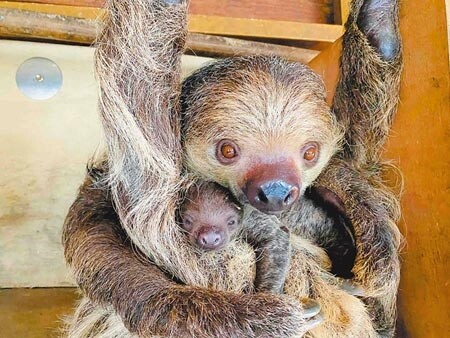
39, 78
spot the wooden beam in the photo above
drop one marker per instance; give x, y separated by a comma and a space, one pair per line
36, 313
264, 28
35, 25
81, 3
341, 9
29, 24
345, 10
326, 64
215, 25
74, 11
319, 11
422, 126
224, 46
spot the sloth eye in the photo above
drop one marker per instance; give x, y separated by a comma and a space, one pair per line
227, 151
311, 152
232, 222
187, 222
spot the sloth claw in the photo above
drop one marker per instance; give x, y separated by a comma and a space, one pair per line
351, 288
377, 20
310, 309
315, 321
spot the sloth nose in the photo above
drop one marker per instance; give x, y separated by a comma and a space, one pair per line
209, 239
274, 196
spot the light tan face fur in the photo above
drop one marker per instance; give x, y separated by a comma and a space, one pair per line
271, 113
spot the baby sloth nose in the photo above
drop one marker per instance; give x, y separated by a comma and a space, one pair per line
209, 239
275, 196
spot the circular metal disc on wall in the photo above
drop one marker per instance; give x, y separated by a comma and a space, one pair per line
39, 78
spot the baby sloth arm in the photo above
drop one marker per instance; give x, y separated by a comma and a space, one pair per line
272, 248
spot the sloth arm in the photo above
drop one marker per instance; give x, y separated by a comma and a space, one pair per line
110, 272
365, 103
367, 92
373, 211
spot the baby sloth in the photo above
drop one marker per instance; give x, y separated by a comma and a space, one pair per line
212, 217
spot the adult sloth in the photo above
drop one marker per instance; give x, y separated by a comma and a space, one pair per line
260, 127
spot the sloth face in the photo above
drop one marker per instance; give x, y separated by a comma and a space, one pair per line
209, 216
260, 127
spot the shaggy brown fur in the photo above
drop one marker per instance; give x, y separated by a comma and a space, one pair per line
273, 109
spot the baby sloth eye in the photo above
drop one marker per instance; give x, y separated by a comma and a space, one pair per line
187, 222
227, 151
311, 152
232, 222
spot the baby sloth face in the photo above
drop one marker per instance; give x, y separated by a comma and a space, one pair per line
210, 216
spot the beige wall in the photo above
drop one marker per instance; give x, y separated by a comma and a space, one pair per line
44, 147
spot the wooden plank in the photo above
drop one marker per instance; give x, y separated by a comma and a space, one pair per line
82, 3
341, 9
44, 146
326, 64
29, 24
264, 28
420, 145
224, 46
215, 25
290, 10
345, 10
75, 11
36, 313
447, 6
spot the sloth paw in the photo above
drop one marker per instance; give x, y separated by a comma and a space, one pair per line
377, 20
